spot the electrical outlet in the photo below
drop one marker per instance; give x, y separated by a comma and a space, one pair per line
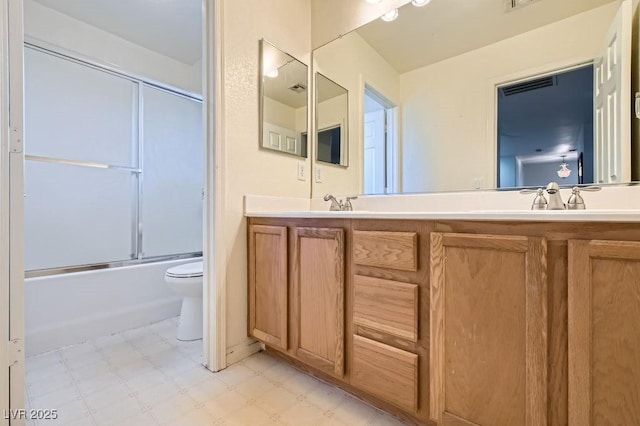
302, 171
318, 177
477, 183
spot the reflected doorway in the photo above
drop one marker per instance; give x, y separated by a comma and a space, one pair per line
380, 148
543, 123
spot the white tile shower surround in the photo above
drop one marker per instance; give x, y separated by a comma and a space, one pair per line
145, 377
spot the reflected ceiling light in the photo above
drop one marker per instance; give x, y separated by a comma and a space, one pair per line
564, 171
373, 1
390, 16
420, 3
272, 74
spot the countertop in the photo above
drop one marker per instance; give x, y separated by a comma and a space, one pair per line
486, 215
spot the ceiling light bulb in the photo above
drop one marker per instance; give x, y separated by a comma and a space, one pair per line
420, 3
272, 74
373, 1
390, 16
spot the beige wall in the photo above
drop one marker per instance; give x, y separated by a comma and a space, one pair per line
277, 113
42, 24
247, 169
352, 63
333, 18
447, 139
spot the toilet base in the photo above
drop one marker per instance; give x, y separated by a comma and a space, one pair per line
190, 323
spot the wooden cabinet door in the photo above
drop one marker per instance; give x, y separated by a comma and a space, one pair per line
488, 358
268, 284
318, 292
604, 333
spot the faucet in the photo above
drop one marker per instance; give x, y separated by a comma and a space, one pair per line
347, 204
336, 205
555, 199
576, 202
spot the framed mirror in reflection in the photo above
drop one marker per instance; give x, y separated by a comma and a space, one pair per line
283, 101
332, 109
488, 97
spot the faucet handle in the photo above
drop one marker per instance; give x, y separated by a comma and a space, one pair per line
540, 202
347, 204
576, 202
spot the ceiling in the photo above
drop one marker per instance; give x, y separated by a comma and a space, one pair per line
170, 27
447, 28
279, 88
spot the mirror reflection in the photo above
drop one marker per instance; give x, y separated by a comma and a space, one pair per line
284, 95
480, 96
332, 106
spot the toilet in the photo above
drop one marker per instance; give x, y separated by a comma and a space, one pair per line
187, 280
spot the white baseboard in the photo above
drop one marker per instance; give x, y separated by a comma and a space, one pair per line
60, 334
244, 350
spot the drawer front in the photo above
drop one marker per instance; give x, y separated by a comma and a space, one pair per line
387, 306
393, 250
386, 372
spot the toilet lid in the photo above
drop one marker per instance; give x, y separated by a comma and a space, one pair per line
188, 270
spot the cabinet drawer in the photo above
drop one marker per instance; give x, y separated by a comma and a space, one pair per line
390, 374
387, 306
393, 250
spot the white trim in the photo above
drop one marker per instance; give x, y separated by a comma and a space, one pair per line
16, 201
4, 212
515, 77
215, 252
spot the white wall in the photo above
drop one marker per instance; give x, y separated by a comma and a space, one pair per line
247, 169
277, 113
67, 309
52, 27
447, 140
352, 63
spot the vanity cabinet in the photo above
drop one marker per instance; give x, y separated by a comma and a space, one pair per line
604, 332
457, 322
389, 293
488, 329
296, 292
318, 297
268, 285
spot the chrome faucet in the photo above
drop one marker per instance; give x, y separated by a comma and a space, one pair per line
555, 199
347, 204
575, 202
336, 205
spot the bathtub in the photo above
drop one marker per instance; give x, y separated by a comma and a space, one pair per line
66, 309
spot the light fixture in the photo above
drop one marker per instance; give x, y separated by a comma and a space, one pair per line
390, 16
420, 3
564, 171
272, 74
373, 1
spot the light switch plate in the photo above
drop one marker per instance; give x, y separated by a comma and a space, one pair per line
318, 177
302, 171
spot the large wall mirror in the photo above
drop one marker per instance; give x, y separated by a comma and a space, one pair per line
463, 95
332, 108
283, 101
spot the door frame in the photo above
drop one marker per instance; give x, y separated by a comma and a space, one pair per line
512, 78
4, 216
11, 209
214, 247
392, 136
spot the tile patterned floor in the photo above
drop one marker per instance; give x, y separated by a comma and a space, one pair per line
147, 377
